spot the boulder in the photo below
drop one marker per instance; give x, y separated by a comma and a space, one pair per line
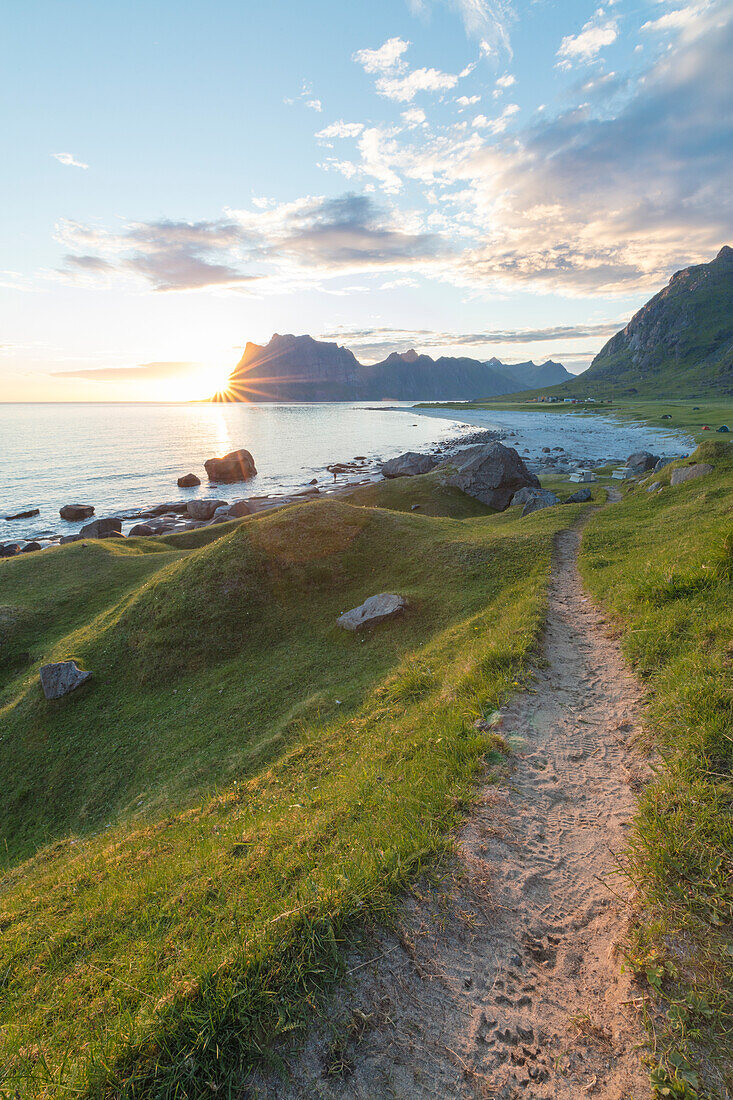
102, 529
641, 461
543, 498
203, 509
9, 550
188, 481
654, 486
580, 496
490, 472
374, 610
408, 464
240, 508
143, 529
236, 466
30, 547
76, 511
689, 473
61, 678
25, 515
523, 495
168, 508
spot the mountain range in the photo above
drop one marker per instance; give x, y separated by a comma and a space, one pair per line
679, 344
299, 368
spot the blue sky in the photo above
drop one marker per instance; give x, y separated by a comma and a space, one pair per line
483, 177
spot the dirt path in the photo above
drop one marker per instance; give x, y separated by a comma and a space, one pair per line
508, 985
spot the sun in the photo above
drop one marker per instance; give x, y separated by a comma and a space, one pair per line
203, 384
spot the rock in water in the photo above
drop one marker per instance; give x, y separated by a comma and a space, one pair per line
204, 509
580, 496
689, 473
641, 461
542, 498
76, 511
188, 480
25, 515
374, 610
61, 678
408, 464
9, 550
102, 529
492, 473
236, 466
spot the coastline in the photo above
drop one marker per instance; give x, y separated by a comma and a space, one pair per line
547, 443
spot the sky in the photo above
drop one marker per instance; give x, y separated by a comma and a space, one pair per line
468, 177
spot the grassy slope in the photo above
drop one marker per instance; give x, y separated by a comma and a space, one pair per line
220, 824
663, 563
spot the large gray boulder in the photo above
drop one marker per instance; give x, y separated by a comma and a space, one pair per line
203, 509
490, 472
102, 529
542, 498
641, 461
374, 610
408, 464
76, 511
689, 473
236, 466
62, 677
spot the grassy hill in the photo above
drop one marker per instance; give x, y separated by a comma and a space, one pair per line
662, 563
192, 838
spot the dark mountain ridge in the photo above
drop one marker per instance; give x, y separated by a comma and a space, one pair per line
299, 368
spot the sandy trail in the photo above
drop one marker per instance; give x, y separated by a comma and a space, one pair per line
507, 984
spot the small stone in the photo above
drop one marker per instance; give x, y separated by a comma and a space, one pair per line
76, 511
689, 473
102, 529
580, 496
25, 515
240, 508
374, 610
203, 509
188, 481
142, 529
542, 498
62, 677
30, 547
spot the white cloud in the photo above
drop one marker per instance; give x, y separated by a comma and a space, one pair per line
340, 129
69, 159
403, 89
675, 20
503, 83
314, 104
468, 100
496, 125
414, 116
588, 43
488, 20
385, 59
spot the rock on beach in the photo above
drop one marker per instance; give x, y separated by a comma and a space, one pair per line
235, 466
408, 465
491, 473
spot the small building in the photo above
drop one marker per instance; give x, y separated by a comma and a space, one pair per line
583, 475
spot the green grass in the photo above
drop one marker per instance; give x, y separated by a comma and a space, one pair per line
663, 564
194, 837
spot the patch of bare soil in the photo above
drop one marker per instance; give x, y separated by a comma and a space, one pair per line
507, 983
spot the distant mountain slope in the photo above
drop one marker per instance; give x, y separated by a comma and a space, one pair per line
679, 344
299, 368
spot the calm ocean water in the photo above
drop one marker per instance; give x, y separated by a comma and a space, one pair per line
119, 457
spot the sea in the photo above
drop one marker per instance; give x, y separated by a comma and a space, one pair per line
120, 457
